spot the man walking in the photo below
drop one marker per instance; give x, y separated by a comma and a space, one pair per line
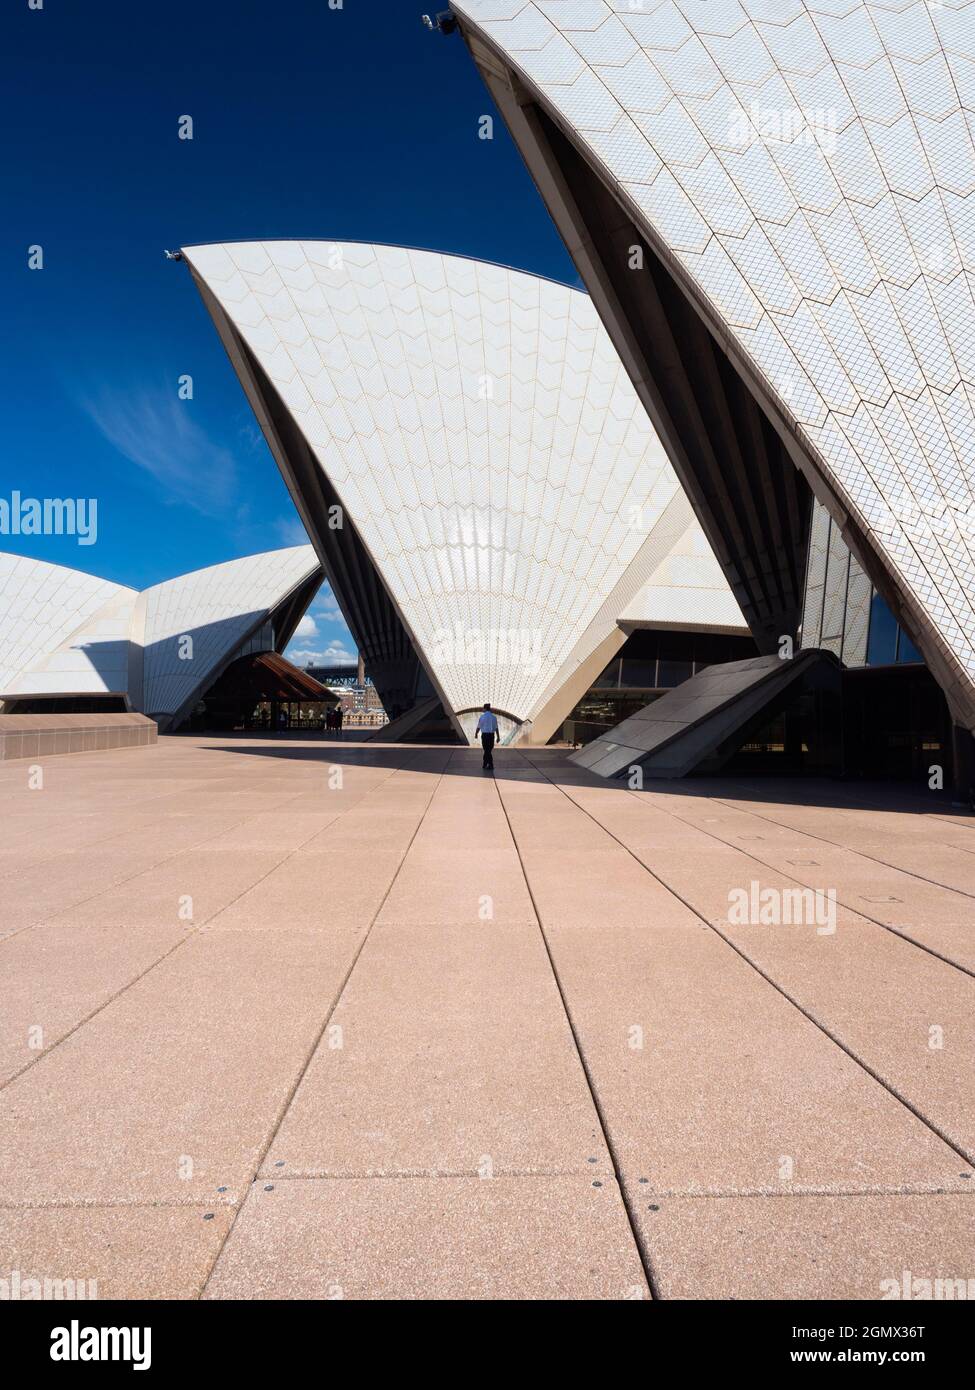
487, 727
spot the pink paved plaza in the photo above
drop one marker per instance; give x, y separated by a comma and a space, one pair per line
295, 1019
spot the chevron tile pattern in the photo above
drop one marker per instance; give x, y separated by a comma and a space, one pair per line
64, 632
482, 434
810, 164
217, 608
42, 607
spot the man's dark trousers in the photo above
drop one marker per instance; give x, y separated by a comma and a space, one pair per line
487, 743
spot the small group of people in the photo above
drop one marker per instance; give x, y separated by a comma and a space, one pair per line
333, 719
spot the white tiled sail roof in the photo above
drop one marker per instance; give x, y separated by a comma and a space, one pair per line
63, 632
216, 607
687, 591
810, 164
482, 435
53, 630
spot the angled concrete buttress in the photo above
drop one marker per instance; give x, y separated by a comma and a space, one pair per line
675, 734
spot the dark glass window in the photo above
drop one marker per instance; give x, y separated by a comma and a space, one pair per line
906, 650
610, 677
671, 673
642, 674
882, 642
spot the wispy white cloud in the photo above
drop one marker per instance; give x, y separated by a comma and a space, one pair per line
251, 435
307, 627
335, 654
325, 607
329, 612
161, 435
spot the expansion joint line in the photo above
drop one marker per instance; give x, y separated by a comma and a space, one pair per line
900, 932
286, 1106
825, 840
177, 945
822, 839
642, 1253
969, 1159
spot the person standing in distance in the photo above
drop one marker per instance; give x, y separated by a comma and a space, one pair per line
487, 727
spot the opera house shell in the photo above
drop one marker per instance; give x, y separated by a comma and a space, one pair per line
67, 636
772, 204
491, 504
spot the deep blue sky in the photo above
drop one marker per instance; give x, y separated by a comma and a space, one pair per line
354, 124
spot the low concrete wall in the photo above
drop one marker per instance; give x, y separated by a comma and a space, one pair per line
43, 735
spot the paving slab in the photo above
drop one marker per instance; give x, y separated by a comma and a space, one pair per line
149, 1252
463, 831
896, 837
709, 1080
286, 830
46, 836
603, 888
554, 827
234, 802
324, 891
713, 882
807, 1247
636, 825
933, 915
448, 1052
366, 829
55, 975
40, 890
446, 885
187, 890
951, 866
908, 1016
173, 1090
456, 1056
431, 1238
168, 834
928, 913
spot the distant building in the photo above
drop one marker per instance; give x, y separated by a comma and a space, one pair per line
356, 694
